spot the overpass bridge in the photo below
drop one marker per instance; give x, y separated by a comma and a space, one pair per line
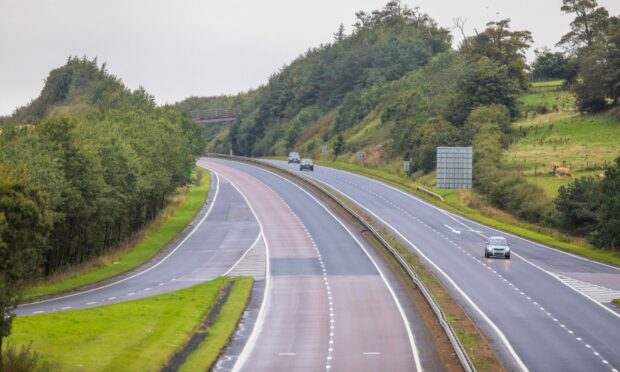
217, 115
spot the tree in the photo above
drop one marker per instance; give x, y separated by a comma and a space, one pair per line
589, 24
339, 145
578, 203
24, 225
505, 47
339, 35
612, 59
484, 82
607, 233
554, 65
590, 92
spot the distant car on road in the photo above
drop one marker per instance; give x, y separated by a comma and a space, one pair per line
293, 157
497, 246
306, 164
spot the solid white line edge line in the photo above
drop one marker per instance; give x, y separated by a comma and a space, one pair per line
414, 349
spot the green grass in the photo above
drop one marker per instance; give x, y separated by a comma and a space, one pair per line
549, 83
139, 335
579, 142
560, 100
550, 184
218, 335
453, 202
141, 253
617, 301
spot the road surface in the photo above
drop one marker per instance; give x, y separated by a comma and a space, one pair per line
544, 310
327, 305
222, 232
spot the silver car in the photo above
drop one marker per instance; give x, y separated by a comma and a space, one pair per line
497, 246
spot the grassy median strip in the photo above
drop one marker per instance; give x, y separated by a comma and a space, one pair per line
151, 244
140, 335
454, 203
219, 333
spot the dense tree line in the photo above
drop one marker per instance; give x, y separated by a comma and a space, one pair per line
82, 168
345, 75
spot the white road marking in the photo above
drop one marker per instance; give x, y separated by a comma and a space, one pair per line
500, 334
130, 294
217, 190
147, 289
65, 308
287, 354
91, 303
260, 318
452, 229
414, 349
111, 298
38, 312
371, 353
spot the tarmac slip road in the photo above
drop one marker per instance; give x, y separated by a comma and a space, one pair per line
543, 310
327, 305
222, 232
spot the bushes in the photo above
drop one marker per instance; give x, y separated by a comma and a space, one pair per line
23, 359
508, 191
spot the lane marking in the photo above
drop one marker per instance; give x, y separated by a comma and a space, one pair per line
287, 354
258, 237
38, 312
91, 303
65, 308
130, 294
456, 216
495, 328
371, 353
250, 344
414, 349
452, 229
217, 190
111, 298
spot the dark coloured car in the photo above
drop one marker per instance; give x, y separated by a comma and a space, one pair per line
293, 157
306, 164
497, 246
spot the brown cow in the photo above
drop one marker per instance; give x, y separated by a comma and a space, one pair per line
561, 171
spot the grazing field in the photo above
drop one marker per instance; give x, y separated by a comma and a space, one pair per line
156, 238
547, 101
585, 144
139, 335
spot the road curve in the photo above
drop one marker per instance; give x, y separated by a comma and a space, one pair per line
543, 310
326, 304
224, 229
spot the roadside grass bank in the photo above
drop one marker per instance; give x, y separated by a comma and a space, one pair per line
218, 335
616, 301
182, 209
470, 205
139, 335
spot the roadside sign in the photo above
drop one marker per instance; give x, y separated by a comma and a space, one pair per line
406, 165
324, 149
360, 155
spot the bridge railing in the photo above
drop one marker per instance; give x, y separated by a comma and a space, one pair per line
214, 114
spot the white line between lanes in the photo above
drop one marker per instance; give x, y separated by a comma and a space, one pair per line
414, 349
500, 334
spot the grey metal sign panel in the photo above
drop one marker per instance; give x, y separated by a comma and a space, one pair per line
454, 167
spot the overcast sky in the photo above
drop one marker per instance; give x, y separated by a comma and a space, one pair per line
177, 49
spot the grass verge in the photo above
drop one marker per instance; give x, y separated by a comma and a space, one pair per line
456, 203
219, 334
134, 336
616, 301
153, 240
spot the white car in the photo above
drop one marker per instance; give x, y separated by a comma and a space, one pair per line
497, 246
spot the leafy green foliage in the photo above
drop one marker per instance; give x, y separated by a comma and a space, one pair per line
578, 203
385, 45
24, 226
607, 234
554, 65
504, 47
108, 171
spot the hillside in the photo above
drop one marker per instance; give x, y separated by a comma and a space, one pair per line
394, 89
